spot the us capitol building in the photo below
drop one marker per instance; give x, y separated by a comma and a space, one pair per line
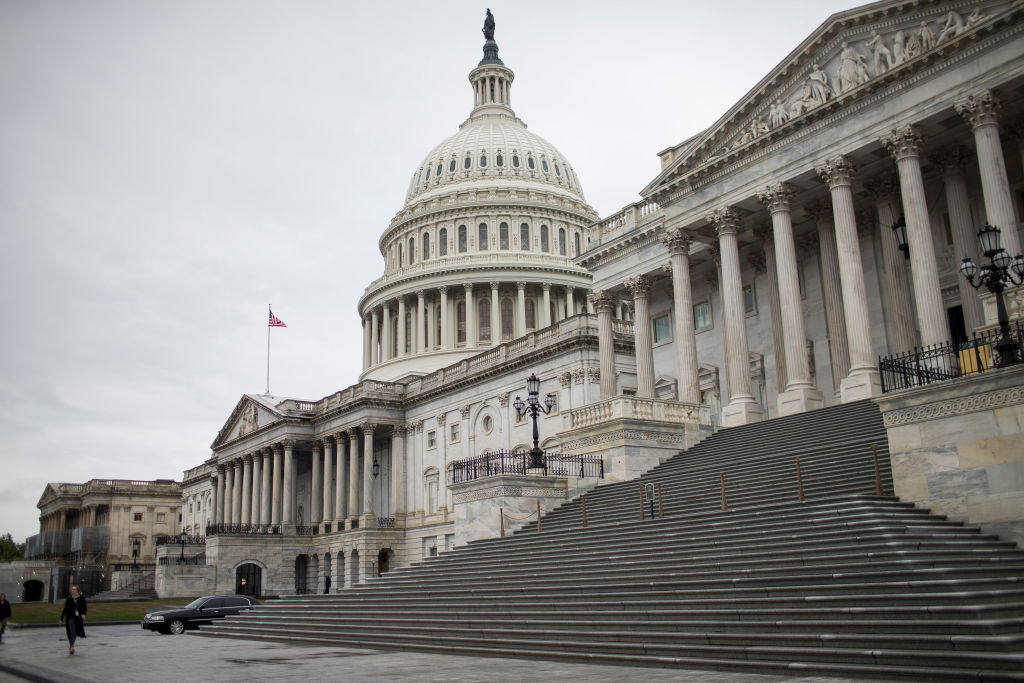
759, 276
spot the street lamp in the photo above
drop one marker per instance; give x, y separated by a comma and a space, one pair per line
1002, 270
182, 557
136, 546
899, 228
534, 408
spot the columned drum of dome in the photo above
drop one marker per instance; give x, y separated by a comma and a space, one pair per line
482, 251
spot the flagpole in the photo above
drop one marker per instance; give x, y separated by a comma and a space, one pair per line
268, 350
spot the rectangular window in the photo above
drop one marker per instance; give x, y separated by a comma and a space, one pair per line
161, 517
429, 547
137, 516
503, 236
662, 328
432, 438
749, 300
454, 433
432, 497
482, 237
702, 316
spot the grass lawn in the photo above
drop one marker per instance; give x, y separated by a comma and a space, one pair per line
47, 613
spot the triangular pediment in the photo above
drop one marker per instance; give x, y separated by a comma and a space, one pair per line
850, 55
253, 412
51, 491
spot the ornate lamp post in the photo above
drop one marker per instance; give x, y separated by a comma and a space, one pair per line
182, 557
1001, 270
899, 228
534, 408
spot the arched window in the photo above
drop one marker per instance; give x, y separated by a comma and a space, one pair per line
499, 160
482, 237
529, 162
428, 173
544, 164
576, 244
561, 241
467, 162
483, 161
442, 243
410, 332
462, 239
531, 315
483, 316
524, 237
460, 322
412, 250
426, 245
437, 326
515, 161
394, 333
507, 319
401, 259
503, 236
451, 166
544, 245
440, 167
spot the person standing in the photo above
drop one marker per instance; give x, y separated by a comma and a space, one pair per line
73, 616
5, 614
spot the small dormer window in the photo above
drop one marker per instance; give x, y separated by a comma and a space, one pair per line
451, 166
499, 160
428, 175
483, 161
544, 164
558, 172
440, 167
467, 163
515, 161
529, 162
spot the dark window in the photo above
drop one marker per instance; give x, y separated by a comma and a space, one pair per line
531, 315
213, 603
544, 164
503, 236
499, 160
462, 239
524, 237
412, 250
515, 161
460, 317
558, 172
483, 314
236, 602
507, 319
426, 246
576, 239
428, 174
561, 241
529, 162
442, 244
451, 166
440, 167
483, 160
544, 246
467, 162
482, 237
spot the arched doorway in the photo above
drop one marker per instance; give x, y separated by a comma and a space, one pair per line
327, 573
32, 591
385, 558
339, 572
353, 567
248, 579
301, 571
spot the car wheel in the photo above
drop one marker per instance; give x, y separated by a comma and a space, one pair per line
176, 627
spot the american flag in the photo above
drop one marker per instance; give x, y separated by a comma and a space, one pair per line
275, 321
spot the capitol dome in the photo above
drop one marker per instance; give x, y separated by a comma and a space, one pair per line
482, 250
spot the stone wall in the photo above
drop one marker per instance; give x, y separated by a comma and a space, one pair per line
956, 448
186, 581
14, 575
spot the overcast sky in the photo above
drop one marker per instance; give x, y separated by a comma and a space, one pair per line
167, 169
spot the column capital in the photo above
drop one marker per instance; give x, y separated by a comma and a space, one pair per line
443, 289
981, 109
468, 287
837, 171
521, 286
421, 293
441, 418
494, 285
726, 221
952, 161
247, 458
883, 187
317, 445
777, 197
639, 286
903, 142
289, 444
546, 286
603, 301
399, 430
677, 240
368, 428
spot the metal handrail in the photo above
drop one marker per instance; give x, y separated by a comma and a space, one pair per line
505, 462
243, 529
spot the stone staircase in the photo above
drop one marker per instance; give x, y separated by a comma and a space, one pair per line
142, 588
845, 583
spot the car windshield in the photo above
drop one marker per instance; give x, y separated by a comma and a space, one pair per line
194, 604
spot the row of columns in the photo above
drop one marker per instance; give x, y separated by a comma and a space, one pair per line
845, 292
259, 488
382, 344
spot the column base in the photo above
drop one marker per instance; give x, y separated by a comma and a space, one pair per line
741, 412
860, 384
800, 399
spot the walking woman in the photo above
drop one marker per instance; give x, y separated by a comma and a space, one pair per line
73, 616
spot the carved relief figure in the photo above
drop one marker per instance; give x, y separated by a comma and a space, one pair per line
250, 421
953, 27
820, 89
852, 69
913, 45
881, 54
976, 17
927, 37
777, 115
758, 127
899, 54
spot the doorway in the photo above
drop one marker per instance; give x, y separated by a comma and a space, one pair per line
248, 578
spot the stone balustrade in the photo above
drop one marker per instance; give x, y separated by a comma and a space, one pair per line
631, 407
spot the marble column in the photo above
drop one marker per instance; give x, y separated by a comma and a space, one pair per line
329, 485
545, 310
742, 407
366, 344
771, 272
266, 516
677, 241
835, 320
905, 146
375, 350
981, 111
401, 350
570, 304
236, 491
446, 335
471, 329
288, 486
900, 308
961, 223
387, 351
800, 395
368, 498
316, 496
341, 487
353, 473
257, 480
640, 286
275, 514
219, 510
420, 339
495, 316
246, 509
520, 309
604, 302
863, 380
398, 467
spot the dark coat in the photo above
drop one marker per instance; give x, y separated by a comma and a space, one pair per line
5, 610
74, 610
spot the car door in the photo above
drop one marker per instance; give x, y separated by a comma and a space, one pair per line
211, 610
235, 605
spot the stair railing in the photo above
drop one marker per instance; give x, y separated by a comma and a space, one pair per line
878, 475
647, 493
799, 481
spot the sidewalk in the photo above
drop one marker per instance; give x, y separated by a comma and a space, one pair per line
128, 653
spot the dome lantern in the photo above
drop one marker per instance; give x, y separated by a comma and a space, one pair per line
491, 79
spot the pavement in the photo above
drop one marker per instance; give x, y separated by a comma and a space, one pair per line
114, 653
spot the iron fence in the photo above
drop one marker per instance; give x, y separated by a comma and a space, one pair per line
385, 522
195, 560
942, 362
504, 462
136, 567
305, 531
176, 540
243, 530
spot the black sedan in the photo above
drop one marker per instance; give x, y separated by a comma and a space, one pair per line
200, 611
